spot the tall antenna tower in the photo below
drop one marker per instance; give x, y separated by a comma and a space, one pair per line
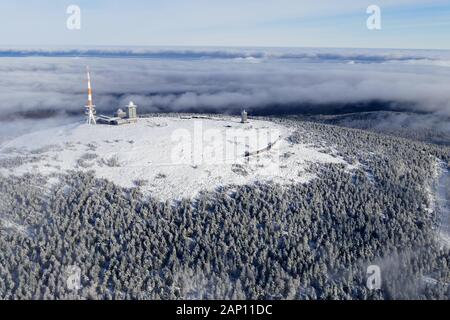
90, 107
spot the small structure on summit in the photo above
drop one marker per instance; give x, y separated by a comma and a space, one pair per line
244, 116
120, 116
131, 111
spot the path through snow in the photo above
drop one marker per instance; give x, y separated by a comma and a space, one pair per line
443, 206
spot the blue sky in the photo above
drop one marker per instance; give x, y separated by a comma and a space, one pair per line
423, 24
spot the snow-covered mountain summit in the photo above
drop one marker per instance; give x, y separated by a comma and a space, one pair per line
168, 157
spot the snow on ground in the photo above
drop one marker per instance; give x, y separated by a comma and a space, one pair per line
439, 202
443, 204
169, 157
10, 225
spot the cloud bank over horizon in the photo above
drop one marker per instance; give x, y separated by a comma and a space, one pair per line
266, 81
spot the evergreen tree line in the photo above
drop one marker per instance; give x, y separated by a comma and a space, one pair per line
303, 241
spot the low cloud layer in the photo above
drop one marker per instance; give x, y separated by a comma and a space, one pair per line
224, 81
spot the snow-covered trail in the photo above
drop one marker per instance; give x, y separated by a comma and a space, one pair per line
443, 205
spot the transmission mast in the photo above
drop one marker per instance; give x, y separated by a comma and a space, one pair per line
90, 107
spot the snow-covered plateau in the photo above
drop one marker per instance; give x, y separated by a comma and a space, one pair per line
170, 157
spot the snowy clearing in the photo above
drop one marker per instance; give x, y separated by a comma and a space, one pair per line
168, 157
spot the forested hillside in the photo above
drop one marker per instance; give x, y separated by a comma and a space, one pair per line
304, 241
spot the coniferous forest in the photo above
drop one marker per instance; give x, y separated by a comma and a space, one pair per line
262, 241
